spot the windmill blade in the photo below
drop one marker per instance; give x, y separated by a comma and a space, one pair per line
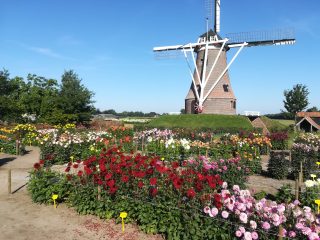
262, 38
209, 12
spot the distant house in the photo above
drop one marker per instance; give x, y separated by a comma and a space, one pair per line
308, 121
106, 117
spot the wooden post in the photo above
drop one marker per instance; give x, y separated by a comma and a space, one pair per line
280, 236
9, 181
301, 175
99, 193
17, 147
297, 189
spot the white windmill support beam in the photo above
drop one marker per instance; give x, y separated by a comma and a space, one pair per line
215, 61
217, 17
204, 71
181, 47
190, 71
224, 71
195, 63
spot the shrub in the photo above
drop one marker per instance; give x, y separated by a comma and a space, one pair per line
279, 165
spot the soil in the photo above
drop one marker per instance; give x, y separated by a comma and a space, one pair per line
20, 218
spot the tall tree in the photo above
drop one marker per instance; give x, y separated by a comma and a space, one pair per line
296, 99
75, 100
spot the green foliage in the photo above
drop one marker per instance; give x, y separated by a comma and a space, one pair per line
43, 100
44, 183
284, 194
278, 166
273, 125
222, 123
296, 99
308, 160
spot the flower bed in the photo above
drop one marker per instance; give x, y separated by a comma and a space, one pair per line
191, 201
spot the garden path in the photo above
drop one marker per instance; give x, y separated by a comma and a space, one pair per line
263, 183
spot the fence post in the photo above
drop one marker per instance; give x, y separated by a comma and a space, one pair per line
99, 193
280, 235
297, 189
17, 147
9, 181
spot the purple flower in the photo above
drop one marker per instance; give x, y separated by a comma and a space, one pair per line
306, 231
225, 214
313, 236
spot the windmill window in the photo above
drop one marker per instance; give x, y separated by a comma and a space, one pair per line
234, 104
226, 87
211, 38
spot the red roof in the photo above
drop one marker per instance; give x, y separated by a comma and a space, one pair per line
308, 114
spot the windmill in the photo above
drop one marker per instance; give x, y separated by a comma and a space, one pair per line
210, 91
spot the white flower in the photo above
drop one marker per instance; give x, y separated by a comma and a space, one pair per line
309, 183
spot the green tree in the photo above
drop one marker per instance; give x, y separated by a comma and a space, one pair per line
313, 109
296, 99
74, 99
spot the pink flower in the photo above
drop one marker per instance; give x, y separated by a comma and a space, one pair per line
238, 233
313, 236
253, 224
239, 168
224, 185
243, 218
247, 236
225, 214
242, 229
206, 210
254, 235
214, 211
275, 217
225, 168
307, 209
236, 188
292, 234
299, 225
265, 225
306, 231
281, 208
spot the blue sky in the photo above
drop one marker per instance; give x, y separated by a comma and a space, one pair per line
109, 45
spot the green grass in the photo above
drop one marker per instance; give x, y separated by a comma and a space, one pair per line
285, 122
205, 121
274, 124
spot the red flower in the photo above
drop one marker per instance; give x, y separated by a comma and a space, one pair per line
102, 167
125, 179
111, 183
149, 171
36, 166
191, 193
88, 170
177, 183
80, 173
75, 165
108, 176
113, 190
140, 184
153, 192
67, 169
41, 161
153, 181
175, 165
69, 177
